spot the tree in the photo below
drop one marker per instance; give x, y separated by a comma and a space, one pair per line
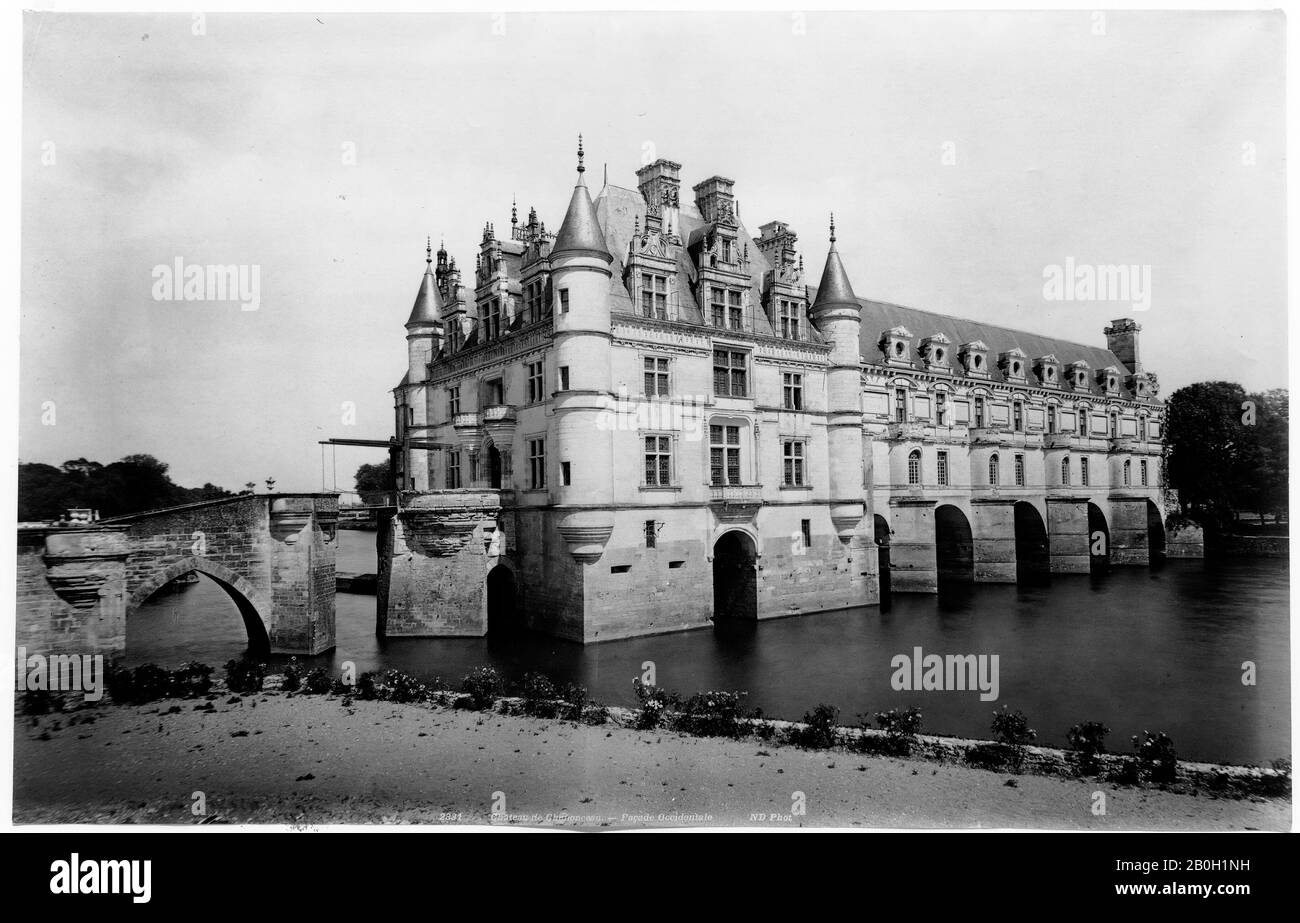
134, 484
1226, 451
373, 482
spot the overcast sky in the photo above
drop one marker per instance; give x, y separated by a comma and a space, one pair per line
1159, 143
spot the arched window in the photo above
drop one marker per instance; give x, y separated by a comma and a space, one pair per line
914, 467
1128, 472
993, 470
1065, 471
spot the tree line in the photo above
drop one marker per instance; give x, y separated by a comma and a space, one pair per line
1226, 453
131, 485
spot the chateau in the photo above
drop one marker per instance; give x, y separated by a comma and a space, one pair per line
650, 419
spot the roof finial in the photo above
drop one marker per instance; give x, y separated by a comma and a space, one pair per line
581, 168
514, 211
832, 227
428, 250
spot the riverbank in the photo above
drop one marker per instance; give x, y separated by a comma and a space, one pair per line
297, 759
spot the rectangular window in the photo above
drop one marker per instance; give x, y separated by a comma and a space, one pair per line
1142, 472
1051, 418
900, 405
564, 378
650, 533
564, 301
979, 413
805, 526
453, 402
537, 463
792, 385
793, 455
729, 373
789, 319
943, 469
941, 407
724, 455
533, 301
1018, 417
718, 306
1020, 471
490, 316
735, 314
495, 392
453, 470
535, 392
566, 474
654, 296
658, 461
1083, 471
656, 376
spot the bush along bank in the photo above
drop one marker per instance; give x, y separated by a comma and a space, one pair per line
895, 733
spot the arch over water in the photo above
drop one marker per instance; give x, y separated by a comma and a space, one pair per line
954, 545
502, 601
254, 608
1155, 533
735, 576
1098, 540
1033, 553
882, 553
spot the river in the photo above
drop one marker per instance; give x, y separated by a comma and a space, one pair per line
1138, 649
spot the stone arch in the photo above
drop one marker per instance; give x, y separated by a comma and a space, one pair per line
502, 600
881, 536
493, 463
735, 575
954, 545
254, 607
1155, 533
1033, 553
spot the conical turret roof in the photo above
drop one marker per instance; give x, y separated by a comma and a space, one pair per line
835, 287
580, 232
427, 309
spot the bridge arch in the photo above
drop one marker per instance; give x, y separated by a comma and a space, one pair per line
1033, 553
954, 545
1098, 540
253, 606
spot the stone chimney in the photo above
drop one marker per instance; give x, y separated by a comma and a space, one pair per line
777, 244
660, 184
715, 200
1122, 340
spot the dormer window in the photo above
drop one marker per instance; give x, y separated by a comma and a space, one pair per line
789, 318
1047, 368
974, 358
1108, 379
895, 344
1012, 364
1077, 376
935, 351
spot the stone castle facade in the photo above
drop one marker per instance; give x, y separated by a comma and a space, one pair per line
650, 419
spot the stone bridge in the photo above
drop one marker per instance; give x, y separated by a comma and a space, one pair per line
272, 554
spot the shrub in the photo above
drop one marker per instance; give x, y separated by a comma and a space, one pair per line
901, 729
366, 689
244, 675
38, 702
822, 731
988, 756
1088, 740
317, 682
191, 679
146, 683
540, 696
1156, 755
292, 676
574, 697
402, 687
1011, 729
484, 687
655, 705
711, 714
